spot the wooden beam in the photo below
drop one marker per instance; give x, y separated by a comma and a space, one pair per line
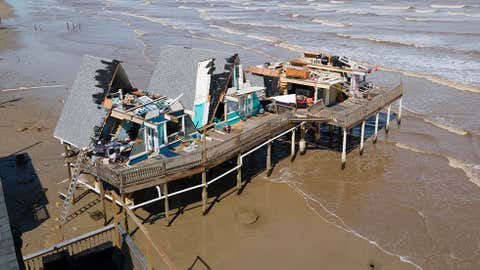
102, 197
160, 251
204, 192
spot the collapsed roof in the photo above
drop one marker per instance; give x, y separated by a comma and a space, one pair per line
82, 110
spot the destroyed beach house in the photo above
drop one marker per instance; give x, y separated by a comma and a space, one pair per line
199, 111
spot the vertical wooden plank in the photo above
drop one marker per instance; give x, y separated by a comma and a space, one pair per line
269, 158
204, 191
102, 198
375, 135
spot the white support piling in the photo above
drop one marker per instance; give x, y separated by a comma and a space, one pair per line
362, 136
387, 126
204, 192
302, 144
375, 135
292, 150
239, 173
269, 158
344, 148
399, 116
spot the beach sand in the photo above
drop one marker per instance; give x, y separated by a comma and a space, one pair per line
5, 10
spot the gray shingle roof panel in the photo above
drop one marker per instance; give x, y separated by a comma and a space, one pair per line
80, 113
176, 71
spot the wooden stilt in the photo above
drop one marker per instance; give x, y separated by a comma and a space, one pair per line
125, 216
302, 143
102, 198
115, 210
344, 148
204, 192
331, 130
387, 126
317, 132
239, 173
399, 116
362, 136
292, 149
375, 135
166, 205
269, 158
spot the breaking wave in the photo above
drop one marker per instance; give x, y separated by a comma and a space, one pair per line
436, 79
452, 6
417, 19
455, 130
331, 24
463, 14
426, 11
392, 7
472, 171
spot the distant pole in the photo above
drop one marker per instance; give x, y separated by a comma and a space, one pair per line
399, 116
362, 136
344, 148
387, 126
68, 27
375, 135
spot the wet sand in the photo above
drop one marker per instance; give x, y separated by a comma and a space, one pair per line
5, 10
413, 196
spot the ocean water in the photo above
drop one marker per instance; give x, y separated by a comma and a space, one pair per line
416, 194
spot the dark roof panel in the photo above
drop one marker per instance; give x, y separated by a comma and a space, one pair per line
82, 110
176, 71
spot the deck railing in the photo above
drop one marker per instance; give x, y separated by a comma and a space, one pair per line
250, 137
73, 246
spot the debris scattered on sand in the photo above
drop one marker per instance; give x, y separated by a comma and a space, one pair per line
21, 88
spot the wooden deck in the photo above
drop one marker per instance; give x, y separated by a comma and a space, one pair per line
354, 110
222, 147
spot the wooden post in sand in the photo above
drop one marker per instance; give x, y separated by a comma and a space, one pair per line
125, 216
387, 126
102, 197
399, 116
239, 172
302, 143
344, 148
269, 158
375, 135
204, 192
317, 132
115, 210
165, 204
362, 136
292, 150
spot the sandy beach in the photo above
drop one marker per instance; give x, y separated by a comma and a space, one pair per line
410, 202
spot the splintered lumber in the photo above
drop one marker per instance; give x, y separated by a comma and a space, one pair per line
263, 71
